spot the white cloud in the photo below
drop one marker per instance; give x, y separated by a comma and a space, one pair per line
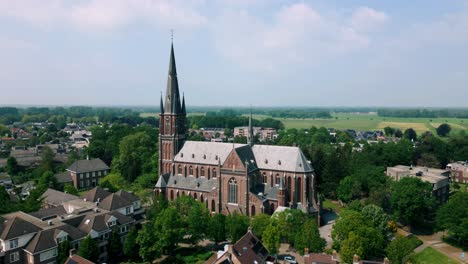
295, 33
104, 14
365, 19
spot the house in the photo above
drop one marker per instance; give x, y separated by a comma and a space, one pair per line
439, 179
35, 237
77, 259
320, 258
5, 180
87, 173
264, 133
249, 249
458, 171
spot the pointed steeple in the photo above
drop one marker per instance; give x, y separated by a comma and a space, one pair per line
162, 105
251, 136
172, 105
183, 105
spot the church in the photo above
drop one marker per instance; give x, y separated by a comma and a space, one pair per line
227, 177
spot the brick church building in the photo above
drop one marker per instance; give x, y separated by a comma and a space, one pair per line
227, 177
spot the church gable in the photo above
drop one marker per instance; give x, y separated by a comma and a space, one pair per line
233, 162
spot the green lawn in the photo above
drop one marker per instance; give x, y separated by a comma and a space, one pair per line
431, 256
328, 204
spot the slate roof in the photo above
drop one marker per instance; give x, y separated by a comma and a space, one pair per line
63, 177
191, 183
281, 158
43, 240
56, 198
246, 155
162, 181
127, 196
113, 202
268, 192
15, 227
49, 213
99, 222
80, 166
249, 249
96, 193
205, 152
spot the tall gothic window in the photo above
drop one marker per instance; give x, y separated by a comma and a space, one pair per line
277, 179
191, 171
264, 178
214, 173
202, 171
179, 169
232, 191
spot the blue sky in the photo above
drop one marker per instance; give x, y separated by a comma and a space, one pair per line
235, 52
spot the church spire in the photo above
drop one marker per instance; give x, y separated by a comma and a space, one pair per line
183, 105
162, 105
172, 105
251, 136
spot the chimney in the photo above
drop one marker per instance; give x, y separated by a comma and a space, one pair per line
355, 259
306, 251
72, 252
386, 261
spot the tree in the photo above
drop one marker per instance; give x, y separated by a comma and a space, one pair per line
289, 221
135, 150
411, 200
398, 133
453, 217
410, 134
377, 217
69, 188
114, 248
237, 225
259, 223
353, 245
271, 238
63, 252
389, 131
443, 130
89, 249
217, 228
131, 247
12, 166
47, 180
47, 159
162, 235
309, 237
198, 219
399, 249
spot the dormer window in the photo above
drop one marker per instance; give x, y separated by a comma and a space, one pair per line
216, 157
193, 156
112, 223
13, 243
279, 162
181, 155
204, 156
266, 161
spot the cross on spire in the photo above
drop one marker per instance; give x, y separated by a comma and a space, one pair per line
172, 35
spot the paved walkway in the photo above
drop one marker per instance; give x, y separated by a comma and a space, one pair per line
435, 241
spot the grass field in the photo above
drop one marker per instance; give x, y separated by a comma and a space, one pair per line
365, 121
360, 121
431, 256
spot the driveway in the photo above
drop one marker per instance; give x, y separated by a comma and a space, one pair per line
435, 241
328, 218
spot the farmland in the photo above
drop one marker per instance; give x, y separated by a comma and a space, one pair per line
365, 121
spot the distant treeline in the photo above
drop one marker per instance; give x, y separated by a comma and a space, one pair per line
424, 113
199, 121
63, 115
273, 112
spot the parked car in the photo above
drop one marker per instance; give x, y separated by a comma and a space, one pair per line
290, 259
